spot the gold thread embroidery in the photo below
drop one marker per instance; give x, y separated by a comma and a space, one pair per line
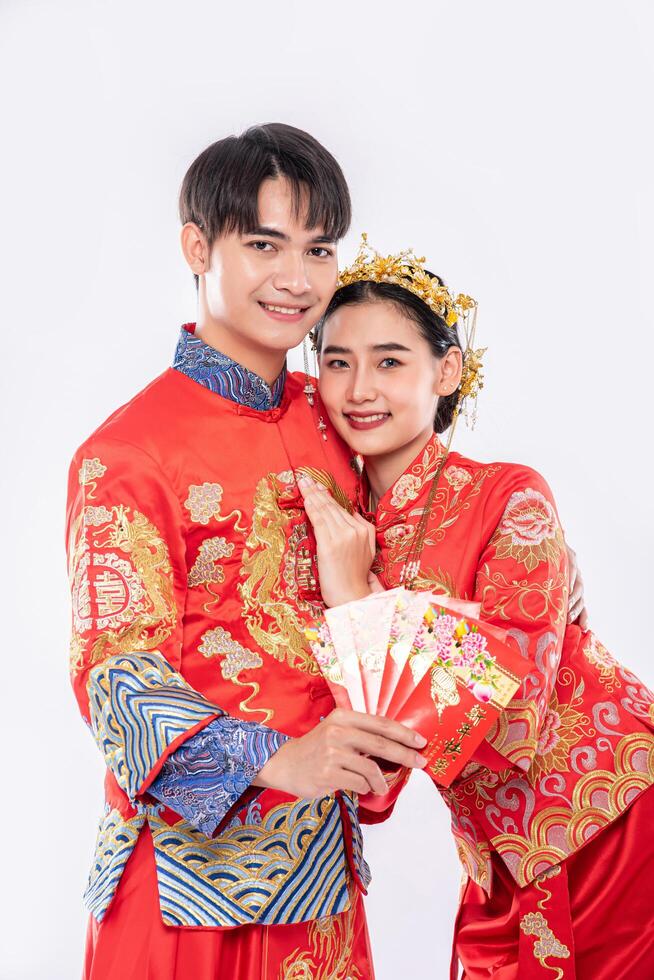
528, 531
129, 568
331, 947
203, 504
546, 945
90, 472
266, 571
218, 642
206, 569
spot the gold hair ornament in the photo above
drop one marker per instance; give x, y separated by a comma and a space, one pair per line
407, 270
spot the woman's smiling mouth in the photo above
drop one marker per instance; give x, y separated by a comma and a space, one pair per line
370, 420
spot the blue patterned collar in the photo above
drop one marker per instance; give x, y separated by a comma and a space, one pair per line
226, 377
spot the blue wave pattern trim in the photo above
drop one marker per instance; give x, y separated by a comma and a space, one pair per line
360, 863
114, 844
206, 775
290, 867
226, 377
139, 705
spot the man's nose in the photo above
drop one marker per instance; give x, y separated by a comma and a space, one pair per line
291, 274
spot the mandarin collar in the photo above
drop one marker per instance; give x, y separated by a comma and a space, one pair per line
225, 376
406, 493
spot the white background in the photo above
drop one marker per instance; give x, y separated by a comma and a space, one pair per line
509, 142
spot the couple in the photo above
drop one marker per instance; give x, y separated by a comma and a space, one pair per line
231, 845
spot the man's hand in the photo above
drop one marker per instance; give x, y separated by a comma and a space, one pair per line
335, 755
345, 545
577, 612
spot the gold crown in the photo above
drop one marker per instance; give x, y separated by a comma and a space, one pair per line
407, 270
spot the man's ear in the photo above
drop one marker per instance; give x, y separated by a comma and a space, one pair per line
195, 248
450, 368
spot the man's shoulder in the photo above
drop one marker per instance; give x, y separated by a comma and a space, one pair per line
141, 421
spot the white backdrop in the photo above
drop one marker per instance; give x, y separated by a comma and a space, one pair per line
509, 142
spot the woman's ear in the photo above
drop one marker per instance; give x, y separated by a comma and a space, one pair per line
450, 368
195, 248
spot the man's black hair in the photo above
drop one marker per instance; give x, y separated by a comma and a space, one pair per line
221, 187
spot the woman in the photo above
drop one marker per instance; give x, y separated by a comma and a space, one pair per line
553, 815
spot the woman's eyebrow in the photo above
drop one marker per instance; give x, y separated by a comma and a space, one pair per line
336, 350
332, 349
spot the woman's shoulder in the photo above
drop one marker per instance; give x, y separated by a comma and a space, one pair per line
498, 480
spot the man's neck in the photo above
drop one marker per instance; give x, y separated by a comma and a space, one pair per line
267, 364
385, 470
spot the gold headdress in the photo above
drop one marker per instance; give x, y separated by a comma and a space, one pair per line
407, 270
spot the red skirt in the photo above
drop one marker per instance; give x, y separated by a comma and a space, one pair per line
132, 942
589, 918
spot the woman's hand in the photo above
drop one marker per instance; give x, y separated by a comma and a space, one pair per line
345, 545
335, 755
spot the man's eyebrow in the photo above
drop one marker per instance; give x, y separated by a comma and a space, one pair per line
268, 233
265, 232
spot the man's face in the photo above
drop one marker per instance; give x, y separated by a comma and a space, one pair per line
267, 288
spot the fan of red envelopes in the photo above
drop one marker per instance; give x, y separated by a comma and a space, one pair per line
424, 660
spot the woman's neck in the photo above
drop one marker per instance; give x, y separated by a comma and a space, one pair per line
384, 470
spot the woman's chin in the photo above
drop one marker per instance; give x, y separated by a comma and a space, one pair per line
368, 442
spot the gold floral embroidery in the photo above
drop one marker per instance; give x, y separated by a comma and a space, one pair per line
331, 942
529, 531
122, 584
560, 730
90, 472
272, 621
407, 488
447, 506
597, 655
219, 642
203, 504
457, 477
534, 600
546, 945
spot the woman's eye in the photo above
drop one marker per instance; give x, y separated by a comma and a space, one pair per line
261, 246
321, 253
390, 362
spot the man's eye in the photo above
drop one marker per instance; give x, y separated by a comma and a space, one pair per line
321, 253
261, 246
390, 362
337, 363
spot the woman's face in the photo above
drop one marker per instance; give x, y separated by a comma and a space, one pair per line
379, 379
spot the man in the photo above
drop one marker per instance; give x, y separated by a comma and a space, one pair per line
231, 845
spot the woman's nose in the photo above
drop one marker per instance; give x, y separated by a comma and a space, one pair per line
362, 389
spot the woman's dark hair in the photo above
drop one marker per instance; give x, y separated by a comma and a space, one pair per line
432, 327
220, 190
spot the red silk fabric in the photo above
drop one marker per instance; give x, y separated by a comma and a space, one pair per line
132, 942
601, 909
